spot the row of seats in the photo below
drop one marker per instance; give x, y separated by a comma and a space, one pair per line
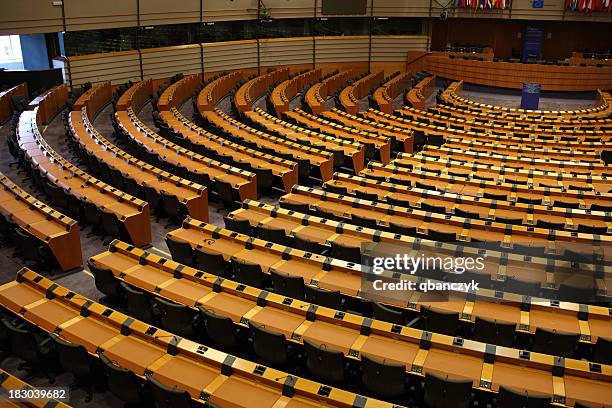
254, 89
393, 86
349, 98
420, 92
316, 96
284, 92
217, 89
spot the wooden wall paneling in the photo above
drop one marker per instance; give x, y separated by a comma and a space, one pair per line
30, 16
93, 15
396, 48
116, 67
228, 10
167, 61
341, 49
285, 51
393, 8
230, 55
159, 12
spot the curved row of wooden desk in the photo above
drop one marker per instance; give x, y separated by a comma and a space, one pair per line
284, 92
299, 321
243, 182
131, 212
317, 95
176, 94
572, 179
207, 374
602, 110
386, 94
418, 95
10, 383
193, 196
381, 145
484, 208
424, 223
217, 89
460, 181
306, 156
285, 171
6, 100
54, 229
136, 96
351, 95
324, 232
49, 103
352, 153
254, 89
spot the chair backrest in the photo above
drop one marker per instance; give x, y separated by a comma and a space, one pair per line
602, 353
433, 208
121, 381
364, 195
247, 272
167, 397
138, 303
226, 192
288, 285
335, 189
220, 329
441, 392
323, 297
239, 226
117, 179
276, 235
181, 250
364, 221
554, 342
208, 261
437, 321
570, 293
104, 280
494, 332
402, 230
325, 364
73, 358
23, 343
297, 207
383, 379
381, 312
304, 244
590, 229
171, 205
441, 236
91, 213
269, 346
110, 224
520, 287
466, 214
346, 253
398, 202
510, 398
175, 318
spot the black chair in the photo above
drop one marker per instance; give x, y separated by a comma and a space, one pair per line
181, 250
554, 342
441, 236
276, 235
550, 225
364, 221
297, 207
110, 224
398, 202
270, 346
288, 285
433, 208
75, 359
327, 365
264, 179
498, 197
602, 352
466, 214
509, 398
154, 199
589, 229
220, 329
366, 196
387, 314
442, 392
247, 273
175, 318
31, 248
168, 397
138, 304
510, 221
105, 280
575, 294
494, 332
564, 204
345, 253
386, 380
307, 245
520, 287
322, 297
600, 207
92, 215
402, 229
117, 180
437, 321
534, 201
122, 382
172, 207
211, 262
239, 226
57, 197
32, 349
226, 193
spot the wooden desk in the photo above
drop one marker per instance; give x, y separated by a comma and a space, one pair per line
254, 89
193, 196
352, 152
177, 93
6, 101
283, 93
318, 159
59, 232
174, 361
419, 94
50, 103
284, 171
136, 96
381, 144
351, 95
316, 96
9, 382
132, 212
321, 325
244, 182
217, 89
386, 94
483, 207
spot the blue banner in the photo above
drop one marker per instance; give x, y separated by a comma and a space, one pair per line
532, 41
530, 97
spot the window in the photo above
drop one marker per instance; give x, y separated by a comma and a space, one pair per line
10, 52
